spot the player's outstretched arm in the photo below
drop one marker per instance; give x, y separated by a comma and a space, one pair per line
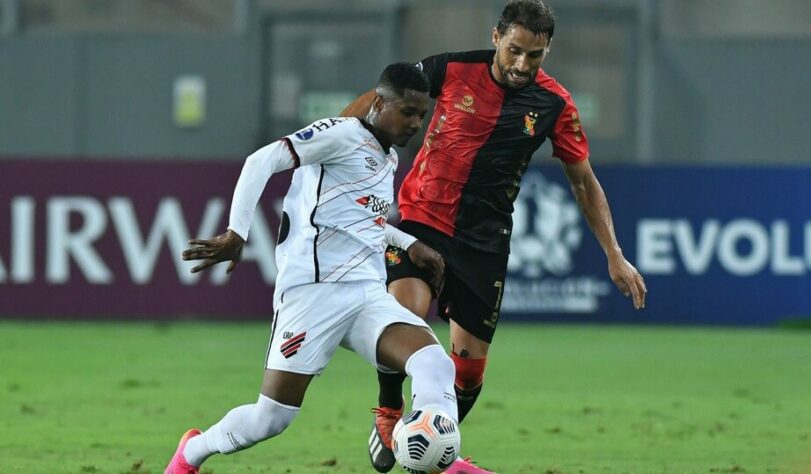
224, 247
360, 107
594, 205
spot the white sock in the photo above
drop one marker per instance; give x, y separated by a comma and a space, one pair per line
432, 373
241, 428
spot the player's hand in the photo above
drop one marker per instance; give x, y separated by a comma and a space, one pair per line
224, 247
628, 280
425, 257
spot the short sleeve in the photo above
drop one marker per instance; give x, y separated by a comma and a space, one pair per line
322, 141
569, 142
434, 68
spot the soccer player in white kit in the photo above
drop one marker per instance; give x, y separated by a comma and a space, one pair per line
330, 288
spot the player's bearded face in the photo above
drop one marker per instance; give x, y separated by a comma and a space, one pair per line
401, 118
519, 55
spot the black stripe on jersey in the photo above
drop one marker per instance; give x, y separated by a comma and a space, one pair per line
312, 223
292, 151
347, 191
358, 264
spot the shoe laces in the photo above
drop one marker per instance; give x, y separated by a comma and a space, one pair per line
385, 419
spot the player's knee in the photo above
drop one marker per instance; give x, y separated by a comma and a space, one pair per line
469, 372
272, 418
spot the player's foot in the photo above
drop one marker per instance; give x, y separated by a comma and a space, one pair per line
380, 452
465, 466
178, 464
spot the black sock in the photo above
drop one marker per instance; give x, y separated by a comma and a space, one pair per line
391, 390
465, 399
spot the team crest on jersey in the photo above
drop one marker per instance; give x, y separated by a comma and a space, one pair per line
291, 346
529, 123
393, 256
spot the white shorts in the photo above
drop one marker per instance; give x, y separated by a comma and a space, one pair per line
310, 321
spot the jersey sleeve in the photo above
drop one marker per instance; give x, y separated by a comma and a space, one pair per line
323, 141
569, 142
256, 171
434, 68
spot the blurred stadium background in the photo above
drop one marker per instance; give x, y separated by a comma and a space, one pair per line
124, 123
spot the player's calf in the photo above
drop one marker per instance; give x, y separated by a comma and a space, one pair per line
240, 428
468, 382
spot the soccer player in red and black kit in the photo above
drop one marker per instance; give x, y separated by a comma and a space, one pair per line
494, 109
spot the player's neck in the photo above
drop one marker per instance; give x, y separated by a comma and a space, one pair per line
383, 142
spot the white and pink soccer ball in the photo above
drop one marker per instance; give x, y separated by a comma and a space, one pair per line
426, 441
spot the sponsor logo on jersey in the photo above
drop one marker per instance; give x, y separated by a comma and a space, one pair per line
466, 104
576, 128
371, 163
305, 134
529, 123
319, 126
393, 256
376, 204
290, 347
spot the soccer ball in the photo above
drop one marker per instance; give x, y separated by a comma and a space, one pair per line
426, 441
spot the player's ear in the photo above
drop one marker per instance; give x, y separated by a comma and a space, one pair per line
377, 103
496, 36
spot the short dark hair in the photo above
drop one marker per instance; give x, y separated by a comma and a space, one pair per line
533, 15
399, 77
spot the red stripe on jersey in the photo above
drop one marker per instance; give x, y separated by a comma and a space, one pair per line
464, 117
569, 142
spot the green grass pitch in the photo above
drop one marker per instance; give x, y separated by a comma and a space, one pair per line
114, 398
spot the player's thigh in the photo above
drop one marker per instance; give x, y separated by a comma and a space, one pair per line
413, 293
381, 311
309, 323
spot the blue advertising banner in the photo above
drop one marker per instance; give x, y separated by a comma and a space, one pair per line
726, 246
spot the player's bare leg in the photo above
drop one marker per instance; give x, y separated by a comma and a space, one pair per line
469, 354
281, 397
414, 294
413, 350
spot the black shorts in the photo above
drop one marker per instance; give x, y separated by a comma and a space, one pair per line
474, 279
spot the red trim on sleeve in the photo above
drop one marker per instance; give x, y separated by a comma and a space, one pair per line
292, 152
569, 141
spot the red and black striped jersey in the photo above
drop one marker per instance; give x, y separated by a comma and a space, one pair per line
468, 171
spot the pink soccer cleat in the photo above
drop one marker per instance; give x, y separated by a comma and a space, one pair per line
178, 464
465, 466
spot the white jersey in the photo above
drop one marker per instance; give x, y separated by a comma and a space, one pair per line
334, 214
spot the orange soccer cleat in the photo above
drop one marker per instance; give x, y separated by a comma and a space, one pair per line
380, 453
